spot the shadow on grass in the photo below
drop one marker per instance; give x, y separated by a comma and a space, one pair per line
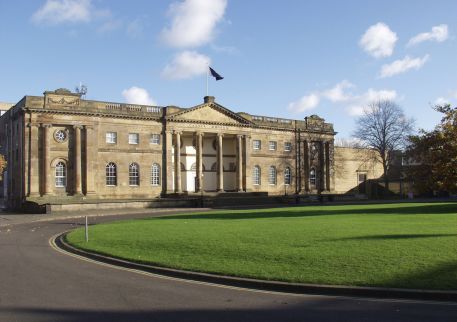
321, 211
394, 236
443, 277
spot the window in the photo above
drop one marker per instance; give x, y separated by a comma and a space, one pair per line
287, 146
272, 175
134, 138
256, 175
61, 175
111, 137
287, 176
256, 144
272, 145
60, 136
193, 167
155, 174
312, 177
111, 174
155, 139
134, 174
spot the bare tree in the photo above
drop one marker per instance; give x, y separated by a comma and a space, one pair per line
384, 128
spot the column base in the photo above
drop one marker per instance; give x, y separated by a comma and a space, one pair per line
220, 190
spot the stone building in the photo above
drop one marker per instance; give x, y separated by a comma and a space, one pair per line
61, 148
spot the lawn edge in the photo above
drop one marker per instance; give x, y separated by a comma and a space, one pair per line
265, 285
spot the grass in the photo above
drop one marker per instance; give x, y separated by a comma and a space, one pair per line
406, 245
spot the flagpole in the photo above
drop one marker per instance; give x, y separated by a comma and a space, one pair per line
207, 76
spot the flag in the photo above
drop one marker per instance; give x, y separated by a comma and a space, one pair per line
215, 75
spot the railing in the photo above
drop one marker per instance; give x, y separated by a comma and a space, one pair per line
132, 108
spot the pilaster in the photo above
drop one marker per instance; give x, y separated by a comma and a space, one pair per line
220, 163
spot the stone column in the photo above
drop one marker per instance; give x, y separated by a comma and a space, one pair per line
247, 178
220, 163
327, 165
34, 173
178, 188
91, 149
77, 160
167, 171
306, 164
322, 163
47, 176
199, 148
239, 163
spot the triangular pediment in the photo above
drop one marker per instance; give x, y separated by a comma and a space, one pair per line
209, 113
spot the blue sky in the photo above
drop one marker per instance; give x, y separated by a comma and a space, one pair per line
278, 58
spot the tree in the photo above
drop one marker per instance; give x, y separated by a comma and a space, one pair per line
384, 128
434, 154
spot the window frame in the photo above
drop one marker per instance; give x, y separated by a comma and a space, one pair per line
256, 145
110, 174
272, 175
287, 146
113, 136
312, 177
62, 167
132, 135
287, 176
256, 176
155, 175
272, 145
154, 139
134, 174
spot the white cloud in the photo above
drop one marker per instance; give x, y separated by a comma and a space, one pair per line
186, 64
438, 34
60, 11
360, 102
354, 104
193, 22
403, 65
337, 94
109, 26
441, 101
138, 95
306, 103
379, 40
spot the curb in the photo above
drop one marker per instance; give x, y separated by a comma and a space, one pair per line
264, 285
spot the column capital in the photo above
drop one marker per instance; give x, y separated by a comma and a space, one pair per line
199, 133
239, 136
77, 126
177, 132
33, 124
220, 134
44, 125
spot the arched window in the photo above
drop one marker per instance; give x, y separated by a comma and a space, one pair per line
155, 174
256, 175
193, 167
272, 175
312, 177
111, 174
287, 176
183, 168
61, 174
134, 174
214, 167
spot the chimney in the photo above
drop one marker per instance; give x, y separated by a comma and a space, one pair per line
208, 99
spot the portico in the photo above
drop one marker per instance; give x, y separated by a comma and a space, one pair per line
207, 161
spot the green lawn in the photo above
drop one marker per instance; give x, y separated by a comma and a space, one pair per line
410, 245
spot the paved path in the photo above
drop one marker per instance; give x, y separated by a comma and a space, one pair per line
38, 283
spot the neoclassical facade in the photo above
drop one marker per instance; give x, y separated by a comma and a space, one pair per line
62, 148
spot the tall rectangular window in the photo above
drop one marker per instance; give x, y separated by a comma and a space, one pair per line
111, 137
256, 144
154, 139
272, 145
287, 146
134, 138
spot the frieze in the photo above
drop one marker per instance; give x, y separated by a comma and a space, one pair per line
63, 101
